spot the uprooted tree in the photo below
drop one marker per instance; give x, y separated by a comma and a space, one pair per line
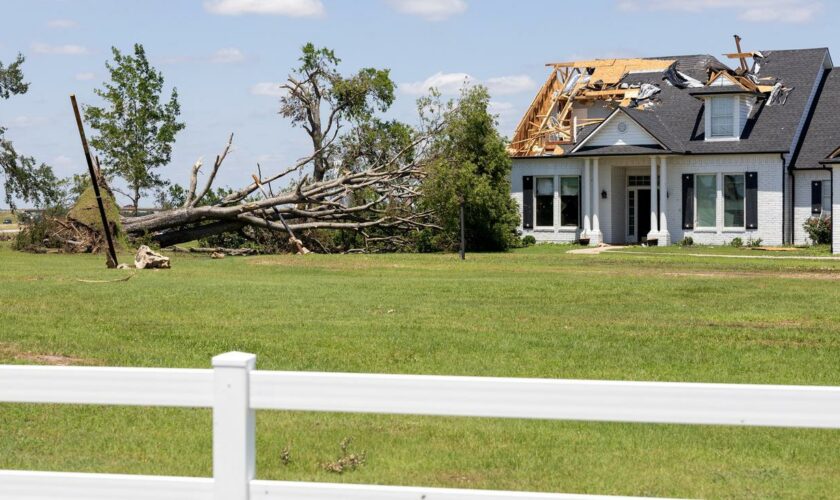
363, 175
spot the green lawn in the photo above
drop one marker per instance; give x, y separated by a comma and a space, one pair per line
537, 312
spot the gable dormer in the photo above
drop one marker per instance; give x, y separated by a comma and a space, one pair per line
619, 129
727, 105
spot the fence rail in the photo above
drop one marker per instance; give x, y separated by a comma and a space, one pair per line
235, 390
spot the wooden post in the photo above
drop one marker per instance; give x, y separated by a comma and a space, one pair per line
463, 249
94, 179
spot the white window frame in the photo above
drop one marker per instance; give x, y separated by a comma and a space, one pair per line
697, 226
559, 201
554, 214
736, 118
723, 202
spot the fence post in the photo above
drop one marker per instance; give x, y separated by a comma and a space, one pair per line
234, 455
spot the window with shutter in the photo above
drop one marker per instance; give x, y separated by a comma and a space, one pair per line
527, 202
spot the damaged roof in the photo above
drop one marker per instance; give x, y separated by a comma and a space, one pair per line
675, 117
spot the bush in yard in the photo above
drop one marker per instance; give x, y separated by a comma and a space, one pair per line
736, 242
473, 170
528, 240
754, 242
818, 229
687, 241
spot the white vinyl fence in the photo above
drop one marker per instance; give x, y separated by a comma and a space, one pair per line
234, 390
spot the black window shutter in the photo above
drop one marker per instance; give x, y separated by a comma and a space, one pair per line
688, 201
751, 200
580, 201
816, 197
527, 202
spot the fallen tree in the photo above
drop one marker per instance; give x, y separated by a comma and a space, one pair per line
378, 200
363, 175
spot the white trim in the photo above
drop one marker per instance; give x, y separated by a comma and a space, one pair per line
606, 120
697, 226
553, 201
724, 227
736, 118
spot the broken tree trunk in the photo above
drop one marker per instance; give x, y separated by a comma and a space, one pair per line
146, 258
381, 196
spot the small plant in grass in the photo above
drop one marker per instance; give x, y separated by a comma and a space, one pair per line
687, 241
346, 461
736, 242
818, 229
754, 242
528, 240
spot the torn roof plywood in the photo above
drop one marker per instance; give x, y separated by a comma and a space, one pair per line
552, 124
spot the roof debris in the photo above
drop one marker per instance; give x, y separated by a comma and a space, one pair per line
561, 108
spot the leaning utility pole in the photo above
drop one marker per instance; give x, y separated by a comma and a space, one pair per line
94, 179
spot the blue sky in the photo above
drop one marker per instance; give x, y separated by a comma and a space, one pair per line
226, 57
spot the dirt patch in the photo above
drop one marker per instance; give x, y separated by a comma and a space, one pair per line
763, 274
12, 351
462, 478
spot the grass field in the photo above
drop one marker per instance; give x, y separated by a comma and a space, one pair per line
537, 312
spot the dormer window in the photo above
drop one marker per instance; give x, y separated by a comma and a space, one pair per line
722, 116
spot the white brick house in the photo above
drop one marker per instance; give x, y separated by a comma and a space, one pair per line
711, 161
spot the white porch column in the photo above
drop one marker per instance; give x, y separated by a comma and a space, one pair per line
595, 236
586, 192
654, 222
664, 235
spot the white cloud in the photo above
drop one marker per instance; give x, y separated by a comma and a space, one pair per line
500, 107
431, 10
63, 161
62, 23
760, 11
451, 84
85, 76
270, 89
291, 8
61, 50
514, 84
446, 83
227, 56
25, 121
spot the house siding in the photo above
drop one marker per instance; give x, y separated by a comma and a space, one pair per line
545, 167
610, 135
770, 203
835, 207
802, 207
612, 210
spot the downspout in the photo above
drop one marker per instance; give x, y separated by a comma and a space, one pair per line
784, 195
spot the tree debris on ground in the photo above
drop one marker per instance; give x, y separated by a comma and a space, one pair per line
147, 258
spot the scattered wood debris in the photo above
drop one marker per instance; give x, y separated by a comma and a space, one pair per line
553, 120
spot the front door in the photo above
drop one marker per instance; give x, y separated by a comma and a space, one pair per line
642, 214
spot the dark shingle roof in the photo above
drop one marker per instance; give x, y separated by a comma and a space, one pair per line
822, 136
676, 117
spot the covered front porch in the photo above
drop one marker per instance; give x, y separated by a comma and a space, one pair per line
625, 194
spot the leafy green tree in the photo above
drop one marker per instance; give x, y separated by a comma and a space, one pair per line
319, 99
136, 129
23, 177
472, 168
